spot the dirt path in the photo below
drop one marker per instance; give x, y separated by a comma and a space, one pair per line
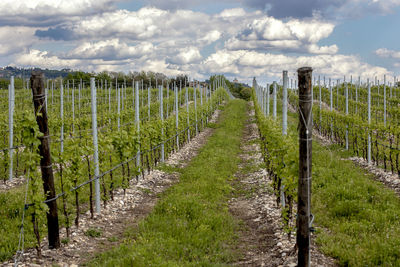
262, 241
125, 212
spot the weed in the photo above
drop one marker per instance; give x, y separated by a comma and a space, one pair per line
93, 232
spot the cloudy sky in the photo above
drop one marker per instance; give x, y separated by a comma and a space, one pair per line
238, 38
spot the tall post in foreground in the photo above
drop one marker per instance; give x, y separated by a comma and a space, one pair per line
284, 103
305, 164
37, 85
95, 144
11, 102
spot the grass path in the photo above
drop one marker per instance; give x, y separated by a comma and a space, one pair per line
191, 224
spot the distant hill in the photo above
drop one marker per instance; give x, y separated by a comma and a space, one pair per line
8, 71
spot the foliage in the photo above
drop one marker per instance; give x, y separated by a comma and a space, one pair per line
245, 93
281, 161
115, 146
190, 224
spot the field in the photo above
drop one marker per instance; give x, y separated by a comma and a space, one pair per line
190, 176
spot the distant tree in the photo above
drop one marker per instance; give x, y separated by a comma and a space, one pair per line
245, 93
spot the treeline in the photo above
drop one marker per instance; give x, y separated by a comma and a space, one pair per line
149, 78
239, 90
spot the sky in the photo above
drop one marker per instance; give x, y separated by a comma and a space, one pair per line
238, 38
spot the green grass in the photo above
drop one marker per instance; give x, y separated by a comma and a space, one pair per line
191, 224
168, 168
93, 232
12, 204
363, 217
358, 218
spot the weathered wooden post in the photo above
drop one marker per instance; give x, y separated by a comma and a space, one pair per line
305, 164
38, 93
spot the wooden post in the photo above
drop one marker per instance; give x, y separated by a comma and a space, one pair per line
38, 92
305, 163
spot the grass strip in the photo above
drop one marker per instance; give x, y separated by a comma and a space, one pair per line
363, 217
360, 217
191, 224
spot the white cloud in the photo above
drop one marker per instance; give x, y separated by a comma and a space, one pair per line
332, 9
386, 53
155, 25
246, 43
210, 37
110, 50
15, 39
361, 8
44, 60
233, 12
310, 31
245, 64
315, 49
187, 56
294, 35
48, 12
